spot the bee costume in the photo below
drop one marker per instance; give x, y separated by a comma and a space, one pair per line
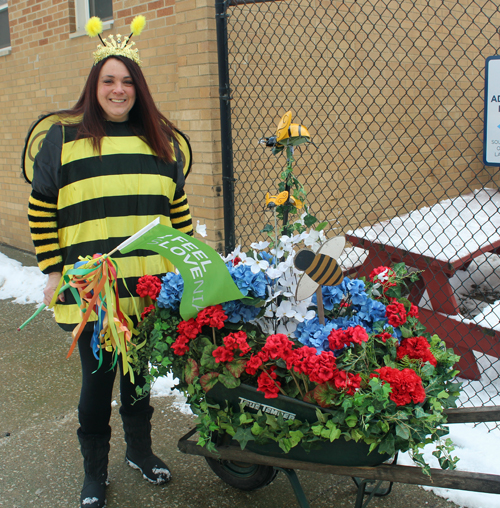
84, 203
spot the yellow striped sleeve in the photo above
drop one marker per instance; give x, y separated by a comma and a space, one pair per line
42, 217
180, 214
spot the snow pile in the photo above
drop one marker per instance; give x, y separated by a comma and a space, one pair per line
23, 283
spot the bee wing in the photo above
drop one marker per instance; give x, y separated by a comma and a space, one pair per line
285, 122
333, 247
305, 288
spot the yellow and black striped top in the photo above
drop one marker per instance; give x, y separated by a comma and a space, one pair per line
83, 203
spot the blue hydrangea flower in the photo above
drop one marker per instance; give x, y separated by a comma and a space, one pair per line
238, 312
266, 256
372, 311
332, 295
171, 291
313, 334
249, 283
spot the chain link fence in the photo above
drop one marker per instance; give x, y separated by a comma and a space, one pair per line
392, 93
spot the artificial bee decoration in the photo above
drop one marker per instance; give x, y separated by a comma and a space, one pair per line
281, 199
287, 134
320, 269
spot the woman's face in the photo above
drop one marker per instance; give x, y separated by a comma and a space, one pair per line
115, 91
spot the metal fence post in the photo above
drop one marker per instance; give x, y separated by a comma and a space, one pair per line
225, 124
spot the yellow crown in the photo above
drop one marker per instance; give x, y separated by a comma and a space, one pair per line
112, 46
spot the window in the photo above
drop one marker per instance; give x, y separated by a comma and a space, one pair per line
4, 25
85, 9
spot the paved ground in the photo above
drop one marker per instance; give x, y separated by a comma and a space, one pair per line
40, 462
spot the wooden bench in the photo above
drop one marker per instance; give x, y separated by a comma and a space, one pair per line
440, 240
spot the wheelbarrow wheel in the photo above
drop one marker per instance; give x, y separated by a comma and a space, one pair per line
242, 475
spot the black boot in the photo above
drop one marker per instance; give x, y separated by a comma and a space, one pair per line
139, 454
95, 449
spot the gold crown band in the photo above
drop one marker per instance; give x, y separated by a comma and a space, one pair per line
115, 47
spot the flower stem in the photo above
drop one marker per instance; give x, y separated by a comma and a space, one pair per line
297, 383
304, 379
213, 335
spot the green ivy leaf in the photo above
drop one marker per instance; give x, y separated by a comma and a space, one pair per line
388, 445
243, 436
351, 420
406, 331
402, 432
309, 220
257, 429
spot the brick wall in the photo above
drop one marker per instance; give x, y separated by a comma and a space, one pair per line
47, 70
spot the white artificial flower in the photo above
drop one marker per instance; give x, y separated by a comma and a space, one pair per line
314, 240
285, 309
279, 253
232, 255
259, 245
301, 312
201, 229
273, 296
299, 238
301, 219
383, 276
256, 265
274, 273
287, 328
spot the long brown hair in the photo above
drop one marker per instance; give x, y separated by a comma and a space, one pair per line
144, 118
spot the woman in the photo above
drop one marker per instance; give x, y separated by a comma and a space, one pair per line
109, 168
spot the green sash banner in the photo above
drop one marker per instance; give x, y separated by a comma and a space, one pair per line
207, 280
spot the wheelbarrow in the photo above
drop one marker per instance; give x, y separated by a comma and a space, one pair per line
247, 470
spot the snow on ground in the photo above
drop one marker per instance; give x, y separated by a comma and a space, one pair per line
476, 446
23, 283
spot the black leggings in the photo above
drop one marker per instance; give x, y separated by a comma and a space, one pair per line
94, 410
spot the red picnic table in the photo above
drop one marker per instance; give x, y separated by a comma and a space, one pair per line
439, 240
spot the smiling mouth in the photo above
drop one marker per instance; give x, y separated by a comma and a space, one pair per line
118, 101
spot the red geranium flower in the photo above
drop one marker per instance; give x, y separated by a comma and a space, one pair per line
416, 348
413, 312
344, 381
147, 311
278, 346
301, 359
180, 346
267, 384
223, 354
341, 338
324, 367
383, 336
149, 285
190, 328
406, 385
396, 314
383, 275
253, 365
212, 316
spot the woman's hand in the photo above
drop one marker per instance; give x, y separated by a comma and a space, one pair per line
51, 287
